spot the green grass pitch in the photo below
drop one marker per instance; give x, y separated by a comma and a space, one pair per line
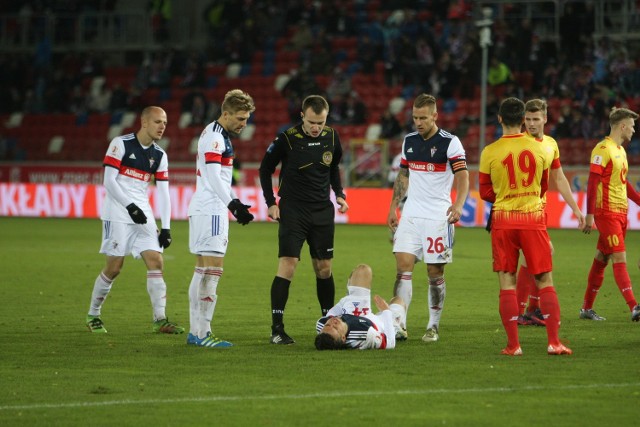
54, 372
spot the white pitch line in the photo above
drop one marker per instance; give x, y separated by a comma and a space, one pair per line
311, 396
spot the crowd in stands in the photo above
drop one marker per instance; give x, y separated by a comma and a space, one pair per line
412, 46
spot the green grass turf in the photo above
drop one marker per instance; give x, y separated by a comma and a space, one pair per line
54, 372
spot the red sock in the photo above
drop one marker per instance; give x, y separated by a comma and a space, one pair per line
623, 281
523, 284
509, 316
594, 282
534, 298
551, 312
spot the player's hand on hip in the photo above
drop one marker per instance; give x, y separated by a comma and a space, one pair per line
136, 214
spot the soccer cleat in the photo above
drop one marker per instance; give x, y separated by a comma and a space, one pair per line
532, 318
512, 351
163, 326
95, 325
279, 336
431, 335
192, 339
211, 341
592, 315
635, 313
401, 333
558, 349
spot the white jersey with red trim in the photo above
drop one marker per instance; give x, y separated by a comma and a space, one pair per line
214, 147
431, 165
136, 166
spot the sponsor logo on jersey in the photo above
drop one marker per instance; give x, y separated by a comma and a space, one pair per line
136, 174
327, 157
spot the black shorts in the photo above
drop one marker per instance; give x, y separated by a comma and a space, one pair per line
310, 222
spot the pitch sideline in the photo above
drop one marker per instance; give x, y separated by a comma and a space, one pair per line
38, 406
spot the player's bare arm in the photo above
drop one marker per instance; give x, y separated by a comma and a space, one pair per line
461, 179
564, 188
400, 187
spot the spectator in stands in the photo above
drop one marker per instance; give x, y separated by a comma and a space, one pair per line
354, 110
390, 126
119, 99
368, 54
100, 100
498, 73
339, 85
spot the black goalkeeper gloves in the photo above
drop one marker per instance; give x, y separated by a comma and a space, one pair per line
136, 214
240, 211
164, 238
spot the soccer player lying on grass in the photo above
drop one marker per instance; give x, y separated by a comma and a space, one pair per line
351, 324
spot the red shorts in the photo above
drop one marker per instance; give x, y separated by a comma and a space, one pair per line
534, 244
613, 229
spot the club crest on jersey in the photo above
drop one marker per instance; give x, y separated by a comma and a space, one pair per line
327, 157
151, 161
433, 151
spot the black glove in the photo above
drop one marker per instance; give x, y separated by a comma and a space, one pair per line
136, 214
164, 238
240, 211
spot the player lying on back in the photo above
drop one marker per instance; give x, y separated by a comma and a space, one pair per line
351, 324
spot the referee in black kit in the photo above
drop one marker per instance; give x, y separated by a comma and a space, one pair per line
310, 153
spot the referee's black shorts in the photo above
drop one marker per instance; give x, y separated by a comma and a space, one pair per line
310, 222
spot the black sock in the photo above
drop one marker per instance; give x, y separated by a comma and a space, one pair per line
279, 297
326, 290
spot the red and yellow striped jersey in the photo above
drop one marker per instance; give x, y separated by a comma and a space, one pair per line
609, 160
517, 169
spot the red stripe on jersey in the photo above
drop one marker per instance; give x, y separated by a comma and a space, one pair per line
556, 163
162, 176
227, 161
404, 163
135, 174
212, 158
112, 161
427, 166
606, 186
383, 344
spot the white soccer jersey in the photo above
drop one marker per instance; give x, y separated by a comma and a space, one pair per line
431, 164
136, 165
214, 167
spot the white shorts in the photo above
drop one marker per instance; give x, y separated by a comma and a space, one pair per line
120, 239
429, 240
209, 234
358, 303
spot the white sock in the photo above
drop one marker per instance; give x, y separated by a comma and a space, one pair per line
157, 289
101, 289
198, 276
404, 288
207, 299
437, 293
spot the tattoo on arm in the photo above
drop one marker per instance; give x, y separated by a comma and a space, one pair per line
401, 185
